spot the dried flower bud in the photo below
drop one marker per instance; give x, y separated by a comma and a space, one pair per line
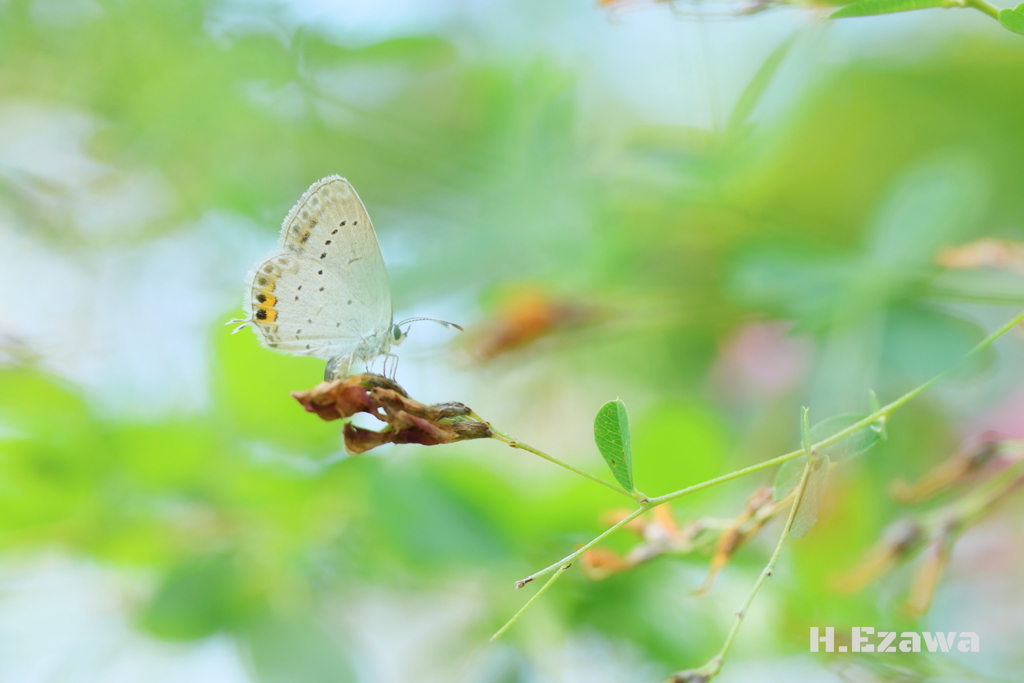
988, 252
408, 420
600, 563
738, 532
950, 473
359, 440
527, 316
613, 517
926, 580
898, 541
982, 454
345, 397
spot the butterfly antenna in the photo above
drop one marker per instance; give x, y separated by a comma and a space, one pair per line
443, 322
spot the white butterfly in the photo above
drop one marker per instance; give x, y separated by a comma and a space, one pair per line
324, 292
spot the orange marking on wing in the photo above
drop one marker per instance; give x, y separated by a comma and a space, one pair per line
268, 307
269, 302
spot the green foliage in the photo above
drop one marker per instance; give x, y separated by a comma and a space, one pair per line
1013, 19
282, 651
611, 432
195, 599
810, 502
688, 442
852, 444
864, 8
758, 85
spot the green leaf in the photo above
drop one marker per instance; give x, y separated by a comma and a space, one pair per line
919, 342
196, 599
789, 474
854, 444
878, 425
611, 432
805, 430
752, 94
788, 477
864, 8
1013, 19
285, 651
810, 503
935, 202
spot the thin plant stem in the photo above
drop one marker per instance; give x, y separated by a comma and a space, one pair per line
880, 414
983, 6
650, 503
715, 664
973, 507
582, 549
514, 619
515, 443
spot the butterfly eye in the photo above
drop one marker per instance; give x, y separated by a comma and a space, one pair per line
398, 333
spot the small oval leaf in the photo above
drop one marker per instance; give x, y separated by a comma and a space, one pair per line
1013, 19
866, 8
788, 477
854, 444
611, 433
810, 503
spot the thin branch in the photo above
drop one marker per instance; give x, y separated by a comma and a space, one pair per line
714, 665
879, 414
983, 6
514, 443
582, 549
514, 619
650, 503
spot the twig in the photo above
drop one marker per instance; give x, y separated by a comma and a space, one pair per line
650, 503
984, 7
515, 443
508, 624
582, 549
714, 665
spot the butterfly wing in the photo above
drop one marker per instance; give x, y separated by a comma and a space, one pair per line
301, 314
329, 224
326, 290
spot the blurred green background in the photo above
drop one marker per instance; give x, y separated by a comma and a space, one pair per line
744, 239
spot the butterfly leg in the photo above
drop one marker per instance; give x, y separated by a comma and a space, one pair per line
394, 366
337, 367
